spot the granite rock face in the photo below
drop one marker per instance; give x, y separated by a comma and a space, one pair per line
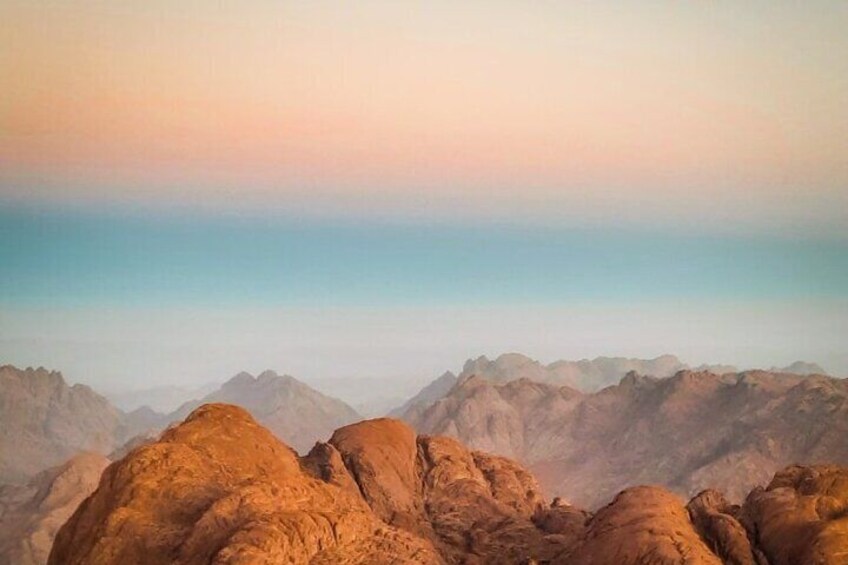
717, 521
221, 488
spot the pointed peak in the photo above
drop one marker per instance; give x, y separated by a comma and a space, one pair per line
267, 375
242, 378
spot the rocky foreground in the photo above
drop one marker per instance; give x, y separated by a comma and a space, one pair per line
219, 488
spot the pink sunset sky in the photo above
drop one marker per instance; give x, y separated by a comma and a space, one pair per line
592, 112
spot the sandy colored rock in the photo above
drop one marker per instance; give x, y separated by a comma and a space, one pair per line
469, 505
716, 520
219, 488
642, 525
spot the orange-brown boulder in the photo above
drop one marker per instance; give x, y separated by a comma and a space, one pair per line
642, 525
802, 516
716, 521
219, 488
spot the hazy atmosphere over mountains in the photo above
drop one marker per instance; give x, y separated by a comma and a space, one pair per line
423, 282
384, 192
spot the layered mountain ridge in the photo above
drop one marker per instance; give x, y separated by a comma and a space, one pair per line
44, 421
689, 432
586, 375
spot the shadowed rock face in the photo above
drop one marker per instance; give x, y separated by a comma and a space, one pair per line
44, 422
717, 522
31, 515
690, 432
219, 488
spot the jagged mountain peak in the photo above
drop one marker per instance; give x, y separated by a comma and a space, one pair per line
45, 421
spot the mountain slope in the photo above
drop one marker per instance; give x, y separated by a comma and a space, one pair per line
31, 515
427, 395
43, 422
295, 412
689, 432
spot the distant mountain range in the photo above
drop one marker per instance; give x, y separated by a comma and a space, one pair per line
44, 421
687, 432
426, 396
584, 375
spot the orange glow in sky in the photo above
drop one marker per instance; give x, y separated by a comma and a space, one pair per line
587, 105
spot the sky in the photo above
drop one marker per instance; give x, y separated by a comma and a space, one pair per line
384, 189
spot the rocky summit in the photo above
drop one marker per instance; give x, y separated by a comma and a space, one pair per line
220, 488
